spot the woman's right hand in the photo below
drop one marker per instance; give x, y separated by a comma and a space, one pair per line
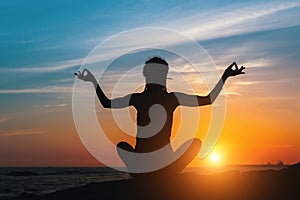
86, 75
233, 70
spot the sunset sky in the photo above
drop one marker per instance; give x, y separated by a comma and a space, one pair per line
44, 42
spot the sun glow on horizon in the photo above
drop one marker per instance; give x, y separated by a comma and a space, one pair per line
215, 158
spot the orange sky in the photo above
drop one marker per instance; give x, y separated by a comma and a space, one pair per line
40, 54
255, 131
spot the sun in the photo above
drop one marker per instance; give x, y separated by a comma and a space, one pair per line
215, 157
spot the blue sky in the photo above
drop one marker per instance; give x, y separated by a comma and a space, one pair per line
44, 42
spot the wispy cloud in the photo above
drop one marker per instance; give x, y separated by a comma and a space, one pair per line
230, 92
237, 20
219, 23
22, 132
3, 119
67, 64
54, 67
247, 82
53, 89
51, 105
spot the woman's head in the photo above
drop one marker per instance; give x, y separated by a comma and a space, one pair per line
156, 70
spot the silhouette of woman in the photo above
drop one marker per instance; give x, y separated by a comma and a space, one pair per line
155, 107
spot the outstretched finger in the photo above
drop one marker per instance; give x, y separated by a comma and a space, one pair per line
78, 73
231, 65
241, 70
236, 66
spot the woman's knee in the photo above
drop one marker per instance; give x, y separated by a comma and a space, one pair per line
125, 146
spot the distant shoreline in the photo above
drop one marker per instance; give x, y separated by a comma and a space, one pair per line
230, 165
259, 185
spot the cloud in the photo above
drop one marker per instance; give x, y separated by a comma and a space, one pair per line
229, 93
222, 22
54, 89
51, 106
238, 19
67, 64
210, 24
22, 132
3, 119
55, 67
247, 82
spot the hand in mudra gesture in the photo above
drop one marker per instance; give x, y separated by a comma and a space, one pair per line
233, 70
85, 75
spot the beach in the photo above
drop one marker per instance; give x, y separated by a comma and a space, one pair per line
265, 184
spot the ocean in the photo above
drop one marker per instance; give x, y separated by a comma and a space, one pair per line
42, 180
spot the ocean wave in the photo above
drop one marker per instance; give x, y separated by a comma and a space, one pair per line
22, 173
59, 171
